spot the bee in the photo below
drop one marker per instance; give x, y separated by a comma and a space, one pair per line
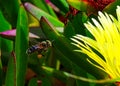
40, 47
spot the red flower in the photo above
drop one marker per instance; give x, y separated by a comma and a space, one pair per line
99, 4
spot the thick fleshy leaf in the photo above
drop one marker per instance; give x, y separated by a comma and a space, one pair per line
62, 5
11, 34
33, 82
21, 45
33, 22
0, 70
38, 13
5, 45
10, 10
111, 7
42, 4
78, 4
63, 60
69, 30
77, 23
10, 75
79, 72
67, 75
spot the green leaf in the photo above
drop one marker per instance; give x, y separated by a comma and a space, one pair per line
21, 45
46, 81
63, 60
67, 75
51, 12
10, 10
35, 65
62, 5
0, 71
55, 73
79, 72
11, 71
6, 45
82, 5
41, 4
78, 4
33, 82
78, 23
111, 7
4, 25
69, 30
38, 13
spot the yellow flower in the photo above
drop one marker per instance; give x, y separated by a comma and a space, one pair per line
106, 42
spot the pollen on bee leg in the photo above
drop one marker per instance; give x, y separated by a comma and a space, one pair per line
39, 56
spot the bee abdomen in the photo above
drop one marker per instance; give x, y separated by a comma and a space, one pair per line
32, 49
